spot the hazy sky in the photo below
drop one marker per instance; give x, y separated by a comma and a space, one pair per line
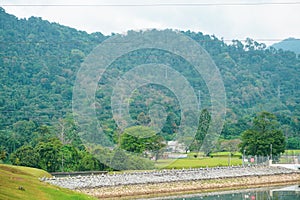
269, 19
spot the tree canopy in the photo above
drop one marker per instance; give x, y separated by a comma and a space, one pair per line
39, 61
138, 139
264, 137
38, 70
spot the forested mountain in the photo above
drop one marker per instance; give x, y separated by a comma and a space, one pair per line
290, 44
39, 61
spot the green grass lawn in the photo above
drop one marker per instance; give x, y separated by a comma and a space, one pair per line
292, 152
215, 154
235, 154
217, 159
14, 177
196, 162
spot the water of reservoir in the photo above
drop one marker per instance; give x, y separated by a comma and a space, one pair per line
276, 193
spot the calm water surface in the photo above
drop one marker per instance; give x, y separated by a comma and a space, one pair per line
291, 192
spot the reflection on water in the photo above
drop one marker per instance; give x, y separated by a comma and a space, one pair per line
276, 193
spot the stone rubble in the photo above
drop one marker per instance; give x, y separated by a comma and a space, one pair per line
163, 176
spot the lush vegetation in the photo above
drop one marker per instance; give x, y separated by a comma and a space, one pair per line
264, 137
22, 183
291, 44
141, 139
46, 150
40, 147
38, 65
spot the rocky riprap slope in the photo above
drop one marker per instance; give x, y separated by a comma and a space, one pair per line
164, 176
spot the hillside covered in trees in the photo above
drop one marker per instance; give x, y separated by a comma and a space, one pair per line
39, 61
291, 44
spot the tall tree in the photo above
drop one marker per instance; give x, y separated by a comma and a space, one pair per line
204, 121
139, 139
25, 156
49, 154
264, 137
3, 153
68, 131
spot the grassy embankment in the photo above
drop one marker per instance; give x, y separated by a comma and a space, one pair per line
216, 159
22, 183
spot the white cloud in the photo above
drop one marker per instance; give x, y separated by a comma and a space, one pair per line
230, 22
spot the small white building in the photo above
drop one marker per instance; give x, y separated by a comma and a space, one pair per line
176, 147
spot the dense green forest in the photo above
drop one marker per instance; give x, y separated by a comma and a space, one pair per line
38, 65
291, 44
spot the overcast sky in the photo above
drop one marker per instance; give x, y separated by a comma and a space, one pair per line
273, 21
